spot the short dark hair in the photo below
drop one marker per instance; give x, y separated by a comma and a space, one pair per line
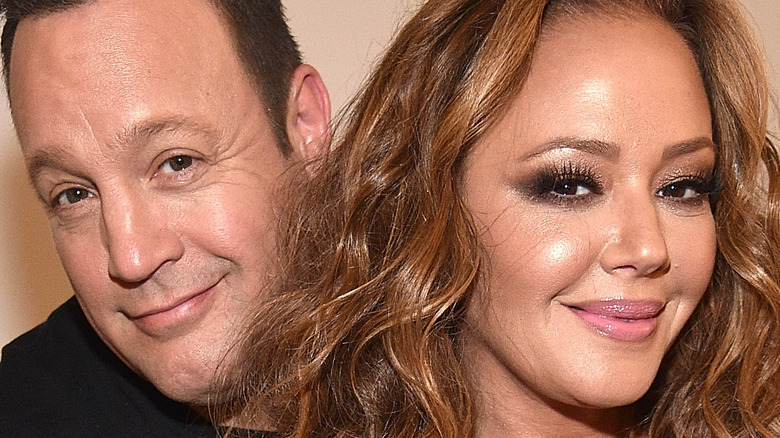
259, 29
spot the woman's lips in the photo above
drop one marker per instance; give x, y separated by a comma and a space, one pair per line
624, 320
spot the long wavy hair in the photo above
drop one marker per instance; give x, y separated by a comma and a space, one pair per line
381, 255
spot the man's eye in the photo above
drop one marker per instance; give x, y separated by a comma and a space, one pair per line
72, 196
176, 164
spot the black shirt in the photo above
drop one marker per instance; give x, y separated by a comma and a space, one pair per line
61, 380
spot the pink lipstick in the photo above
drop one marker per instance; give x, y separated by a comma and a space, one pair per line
620, 319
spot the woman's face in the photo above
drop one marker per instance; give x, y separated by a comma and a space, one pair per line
591, 196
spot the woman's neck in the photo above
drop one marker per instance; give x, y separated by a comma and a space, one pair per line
506, 418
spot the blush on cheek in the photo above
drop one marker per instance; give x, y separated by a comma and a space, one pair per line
543, 265
559, 252
563, 257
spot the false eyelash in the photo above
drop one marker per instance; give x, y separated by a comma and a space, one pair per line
713, 186
714, 183
705, 183
554, 177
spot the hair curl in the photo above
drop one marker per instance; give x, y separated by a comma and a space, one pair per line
381, 254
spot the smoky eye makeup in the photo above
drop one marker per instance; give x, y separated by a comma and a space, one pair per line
565, 183
691, 189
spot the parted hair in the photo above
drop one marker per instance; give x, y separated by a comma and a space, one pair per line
382, 255
262, 39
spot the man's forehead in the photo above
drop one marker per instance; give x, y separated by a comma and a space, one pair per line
122, 35
116, 23
87, 95
70, 63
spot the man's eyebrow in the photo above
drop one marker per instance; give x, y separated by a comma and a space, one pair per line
53, 157
59, 156
148, 129
594, 147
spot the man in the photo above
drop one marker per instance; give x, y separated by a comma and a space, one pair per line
156, 134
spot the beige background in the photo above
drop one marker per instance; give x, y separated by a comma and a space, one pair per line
339, 37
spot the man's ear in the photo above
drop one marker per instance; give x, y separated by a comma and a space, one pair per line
308, 114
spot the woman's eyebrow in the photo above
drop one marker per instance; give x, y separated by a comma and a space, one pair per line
611, 151
605, 149
688, 147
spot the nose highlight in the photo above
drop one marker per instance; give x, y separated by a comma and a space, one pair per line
138, 241
637, 245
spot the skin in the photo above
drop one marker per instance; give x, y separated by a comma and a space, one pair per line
158, 169
621, 101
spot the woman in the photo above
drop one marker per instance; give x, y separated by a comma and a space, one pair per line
546, 218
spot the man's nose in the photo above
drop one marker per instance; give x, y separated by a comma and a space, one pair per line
138, 236
637, 244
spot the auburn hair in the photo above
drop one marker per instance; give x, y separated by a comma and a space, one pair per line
381, 255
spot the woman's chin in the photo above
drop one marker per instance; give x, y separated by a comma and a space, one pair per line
609, 397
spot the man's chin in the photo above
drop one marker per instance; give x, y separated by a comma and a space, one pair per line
180, 383
196, 396
197, 388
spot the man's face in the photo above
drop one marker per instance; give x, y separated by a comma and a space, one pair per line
157, 166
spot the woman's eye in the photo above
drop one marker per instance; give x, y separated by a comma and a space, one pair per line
685, 189
564, 184
72, 196
176, 164
571, 188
